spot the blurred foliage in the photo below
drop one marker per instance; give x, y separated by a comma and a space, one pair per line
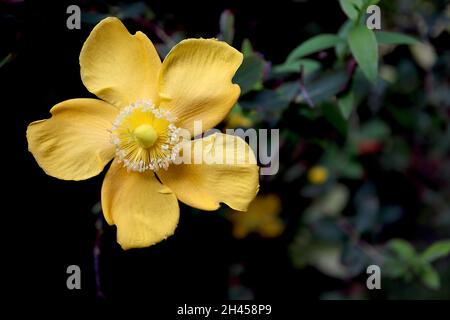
364, 128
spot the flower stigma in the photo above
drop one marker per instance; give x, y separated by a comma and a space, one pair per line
145, 135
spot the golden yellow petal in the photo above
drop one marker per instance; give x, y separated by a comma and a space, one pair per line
74, 144
204, 186
119, 67
144, 211
195, 81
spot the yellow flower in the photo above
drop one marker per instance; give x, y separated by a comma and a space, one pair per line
317, 175
144, 105
237, 119
261, 217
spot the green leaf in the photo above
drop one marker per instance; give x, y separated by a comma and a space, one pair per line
341, 48
250, 73
6, 59
384, 37
314, 44
363, 46
375, 129
367, 208
346, 104
430, 277
334, 116
354, 258
327, 259
437, 250
350, 8
134, 10
267, 100
342, 162
351, 170
402, 248
326, 229
390, 214
394, 268
330, 204
288, 90
92, 17
246, 47
359, 4
309, 66
326, 86
96, 208
227, 26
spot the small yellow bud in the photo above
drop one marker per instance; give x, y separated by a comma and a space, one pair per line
317, 175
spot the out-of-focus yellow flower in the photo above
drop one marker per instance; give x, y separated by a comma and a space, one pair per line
388, 73
424, 54
237, 119
144, 105
262, 217
317, 175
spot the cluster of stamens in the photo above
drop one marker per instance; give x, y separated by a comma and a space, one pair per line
145, 137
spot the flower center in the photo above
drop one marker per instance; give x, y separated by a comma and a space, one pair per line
145, 137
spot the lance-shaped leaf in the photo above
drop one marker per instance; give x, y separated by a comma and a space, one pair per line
364, 48
351, 8
430, 277
314, 44
346, 104
384, 37
309, 66
437, 250
325, 86
227, 26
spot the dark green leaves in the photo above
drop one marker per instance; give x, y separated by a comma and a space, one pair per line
346, 104
402, 248
351, 8
407, 263
309, 66
326, 86
363, 46
334, 116
437, 250
250, 73
125, 11
430, 277
384, 37
266, 100
314, 44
